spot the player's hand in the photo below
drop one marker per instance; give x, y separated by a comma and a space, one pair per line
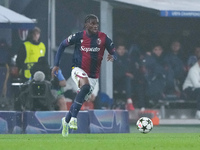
54, 70
110, 58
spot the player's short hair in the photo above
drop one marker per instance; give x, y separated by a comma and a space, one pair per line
89, 17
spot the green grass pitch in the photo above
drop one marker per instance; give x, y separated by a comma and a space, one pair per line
131, 141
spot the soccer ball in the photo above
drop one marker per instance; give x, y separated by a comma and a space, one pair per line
144, 125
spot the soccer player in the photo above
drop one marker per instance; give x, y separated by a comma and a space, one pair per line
89, 49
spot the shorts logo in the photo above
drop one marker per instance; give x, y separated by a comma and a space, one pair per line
98, 41
83, 74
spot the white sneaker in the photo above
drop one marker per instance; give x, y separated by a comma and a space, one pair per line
197, 114
73, 123
65, 130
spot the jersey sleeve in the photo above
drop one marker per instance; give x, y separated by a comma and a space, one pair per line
70, 40
110, 47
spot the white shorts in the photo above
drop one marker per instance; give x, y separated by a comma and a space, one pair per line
77, 73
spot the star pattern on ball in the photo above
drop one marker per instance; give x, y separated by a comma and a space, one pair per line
144, 128
149, 121
144, 125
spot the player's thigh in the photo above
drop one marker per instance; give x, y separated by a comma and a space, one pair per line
83, 81
79, 76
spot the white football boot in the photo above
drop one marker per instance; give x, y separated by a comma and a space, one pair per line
65, 130
73, 123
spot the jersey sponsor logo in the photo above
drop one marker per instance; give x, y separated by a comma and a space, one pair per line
90, 49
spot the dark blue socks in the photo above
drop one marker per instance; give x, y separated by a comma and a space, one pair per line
76, 106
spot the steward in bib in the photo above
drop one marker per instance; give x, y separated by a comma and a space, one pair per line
29, 52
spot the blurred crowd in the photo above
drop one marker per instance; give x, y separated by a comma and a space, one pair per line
149, 71
144, 73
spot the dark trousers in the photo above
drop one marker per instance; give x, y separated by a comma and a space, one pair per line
194, 94
124, 83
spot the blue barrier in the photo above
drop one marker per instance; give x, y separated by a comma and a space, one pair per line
50, 122
109, 121
10, 122
44, 122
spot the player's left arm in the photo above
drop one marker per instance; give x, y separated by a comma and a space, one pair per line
111, 49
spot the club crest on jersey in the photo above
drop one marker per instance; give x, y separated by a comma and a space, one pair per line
98, 41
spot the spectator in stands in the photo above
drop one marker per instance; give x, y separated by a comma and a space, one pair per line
193, 58
138, 50
122, 75
191, 85
140, 47
29, 53
175, 59
156, 74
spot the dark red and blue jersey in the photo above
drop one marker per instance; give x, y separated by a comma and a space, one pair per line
89, 51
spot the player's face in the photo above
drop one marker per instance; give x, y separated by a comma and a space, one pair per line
92, 26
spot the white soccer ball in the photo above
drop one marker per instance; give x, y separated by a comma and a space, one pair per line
144, 125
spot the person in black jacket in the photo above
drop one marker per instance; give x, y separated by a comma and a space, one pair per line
157, 74
122, 75
176, 60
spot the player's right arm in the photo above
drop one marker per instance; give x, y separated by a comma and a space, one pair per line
65, 43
